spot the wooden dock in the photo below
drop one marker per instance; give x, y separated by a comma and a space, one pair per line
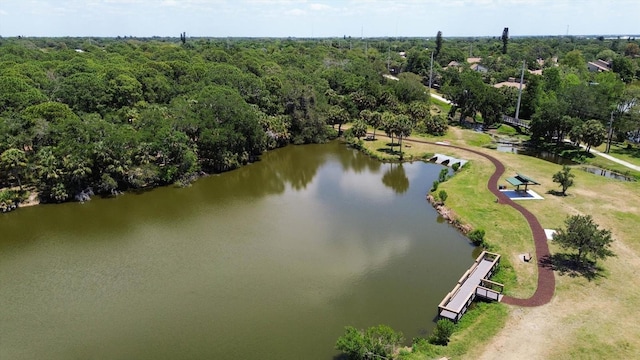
475, 282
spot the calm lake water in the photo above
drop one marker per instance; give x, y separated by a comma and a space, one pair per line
270, 261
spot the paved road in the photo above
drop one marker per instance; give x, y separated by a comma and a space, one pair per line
435, 96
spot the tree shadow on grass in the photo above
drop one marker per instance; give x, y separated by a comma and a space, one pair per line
566, 264
556, 193
632, 151
568, 151
388, 151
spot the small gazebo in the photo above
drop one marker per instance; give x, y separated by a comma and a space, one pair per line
520, 180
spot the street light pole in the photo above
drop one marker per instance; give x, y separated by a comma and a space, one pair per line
610, 133
431, 73
520, 91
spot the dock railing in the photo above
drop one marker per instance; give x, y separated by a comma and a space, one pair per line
485, 288
516, 122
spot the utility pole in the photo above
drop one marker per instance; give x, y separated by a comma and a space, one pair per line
431, 74
610, 133
389, 58
520, 91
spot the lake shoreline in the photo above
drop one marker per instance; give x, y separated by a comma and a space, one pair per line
294, 230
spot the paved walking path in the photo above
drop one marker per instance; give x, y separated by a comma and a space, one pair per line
615, 160
436, 96
546, 280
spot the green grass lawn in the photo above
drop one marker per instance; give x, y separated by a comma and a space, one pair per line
628, 153
590, 159
480, 323
600, 162
441, 106
583, 315
504, 129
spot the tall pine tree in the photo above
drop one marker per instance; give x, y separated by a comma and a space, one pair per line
438, 43
505, 39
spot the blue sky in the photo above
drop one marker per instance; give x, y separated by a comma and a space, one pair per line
317, 18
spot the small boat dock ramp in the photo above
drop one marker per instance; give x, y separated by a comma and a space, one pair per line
474, 283
447, 160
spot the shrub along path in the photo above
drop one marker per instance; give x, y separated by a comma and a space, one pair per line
546, 280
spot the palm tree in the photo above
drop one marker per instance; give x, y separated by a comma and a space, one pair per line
403, 128
15, 162
564, 178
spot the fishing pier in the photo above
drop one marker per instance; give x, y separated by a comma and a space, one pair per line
474, 283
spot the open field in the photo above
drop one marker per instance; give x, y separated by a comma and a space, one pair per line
587, 318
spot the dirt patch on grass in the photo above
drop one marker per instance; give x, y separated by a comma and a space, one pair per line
582, 320
586, 316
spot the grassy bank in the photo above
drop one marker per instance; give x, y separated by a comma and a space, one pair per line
586, 313
482, 322
382, 149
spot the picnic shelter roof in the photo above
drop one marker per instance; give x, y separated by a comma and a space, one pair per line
520, 179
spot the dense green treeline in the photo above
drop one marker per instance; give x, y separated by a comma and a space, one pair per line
101, 114
106, 115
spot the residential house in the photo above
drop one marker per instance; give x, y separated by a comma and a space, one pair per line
474, 60
453, 64
511, 82
598, 65
479, 68
475, 65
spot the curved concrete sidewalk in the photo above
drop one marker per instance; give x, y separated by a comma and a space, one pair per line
546, 280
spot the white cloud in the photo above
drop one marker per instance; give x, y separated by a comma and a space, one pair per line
327, 17
319, 7
169, 3
295, 12
125, 2
273, 2
366, 187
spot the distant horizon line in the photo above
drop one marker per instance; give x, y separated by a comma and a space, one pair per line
606, 36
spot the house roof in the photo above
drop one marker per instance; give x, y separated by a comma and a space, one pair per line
474, 60
510, 84
478, 67
602, 63
599, 65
